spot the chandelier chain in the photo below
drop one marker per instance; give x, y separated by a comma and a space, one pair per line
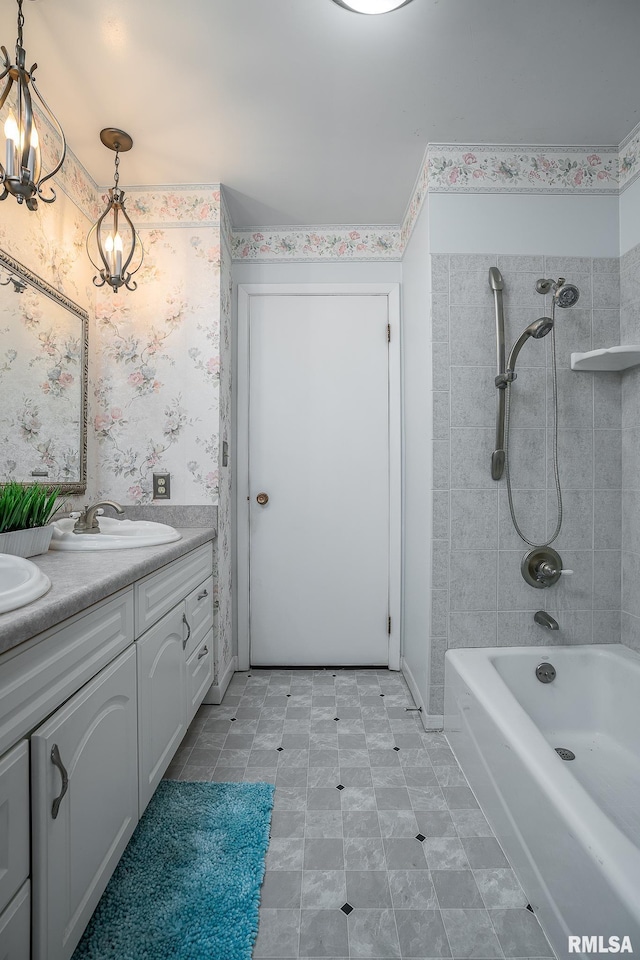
20, 22
116, 175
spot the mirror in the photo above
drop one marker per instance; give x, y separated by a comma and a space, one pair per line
43, 381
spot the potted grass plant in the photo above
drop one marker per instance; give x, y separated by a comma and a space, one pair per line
25, 512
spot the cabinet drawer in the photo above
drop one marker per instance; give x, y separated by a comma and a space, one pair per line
162, 590
199, 613
43, 673
15, 927
199, 675
14, 822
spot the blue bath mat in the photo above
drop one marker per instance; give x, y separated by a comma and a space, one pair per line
188, 884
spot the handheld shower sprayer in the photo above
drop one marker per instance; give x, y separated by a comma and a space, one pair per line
538, 329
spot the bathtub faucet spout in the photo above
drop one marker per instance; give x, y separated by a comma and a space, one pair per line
545, 620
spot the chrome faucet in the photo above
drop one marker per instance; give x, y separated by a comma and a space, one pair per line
87, 519
545, 620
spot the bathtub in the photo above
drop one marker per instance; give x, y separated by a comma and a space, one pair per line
571, 829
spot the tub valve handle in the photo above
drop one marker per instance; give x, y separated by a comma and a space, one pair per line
542, 567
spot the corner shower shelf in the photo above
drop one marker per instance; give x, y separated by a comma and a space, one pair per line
608, 358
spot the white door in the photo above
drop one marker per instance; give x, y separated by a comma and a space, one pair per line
318, 447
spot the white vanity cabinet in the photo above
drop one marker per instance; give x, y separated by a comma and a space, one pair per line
84, 763
175, 660
91, 714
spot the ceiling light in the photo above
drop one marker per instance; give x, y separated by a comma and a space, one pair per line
372, 6
113, 237
22, 175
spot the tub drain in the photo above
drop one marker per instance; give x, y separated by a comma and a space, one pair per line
565, 754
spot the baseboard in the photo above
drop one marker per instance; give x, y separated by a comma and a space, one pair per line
216, 691
429, 721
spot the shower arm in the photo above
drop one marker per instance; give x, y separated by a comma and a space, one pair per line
497, 457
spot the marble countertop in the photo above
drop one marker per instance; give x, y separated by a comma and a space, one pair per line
79, 580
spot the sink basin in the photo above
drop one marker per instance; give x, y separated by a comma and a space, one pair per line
114, 535
21, 581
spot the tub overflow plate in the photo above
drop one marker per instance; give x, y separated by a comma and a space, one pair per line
545, 672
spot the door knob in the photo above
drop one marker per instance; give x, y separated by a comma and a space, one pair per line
262, 498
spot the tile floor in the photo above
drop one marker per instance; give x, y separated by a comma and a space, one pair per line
378, 848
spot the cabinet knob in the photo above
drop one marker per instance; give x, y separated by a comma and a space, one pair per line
201, 596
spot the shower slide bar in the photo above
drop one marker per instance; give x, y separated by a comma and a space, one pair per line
497, 457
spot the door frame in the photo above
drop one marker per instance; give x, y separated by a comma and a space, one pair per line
245, 293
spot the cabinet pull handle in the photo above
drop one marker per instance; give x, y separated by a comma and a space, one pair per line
56, 760
201, 596
203, 653
186, 623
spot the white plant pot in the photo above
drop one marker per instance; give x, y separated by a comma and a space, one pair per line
26, 543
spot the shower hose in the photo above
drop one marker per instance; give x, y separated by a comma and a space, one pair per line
507, 470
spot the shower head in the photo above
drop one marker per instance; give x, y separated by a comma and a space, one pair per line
564, 294
538, 329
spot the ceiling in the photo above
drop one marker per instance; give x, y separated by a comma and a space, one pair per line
311, 114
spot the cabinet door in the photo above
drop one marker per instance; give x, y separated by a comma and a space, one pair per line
84, 790
162, 698
14, 821
15, 927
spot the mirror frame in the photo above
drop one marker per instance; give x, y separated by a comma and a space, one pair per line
14, 266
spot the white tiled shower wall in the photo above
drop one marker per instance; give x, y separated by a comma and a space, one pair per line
479, 597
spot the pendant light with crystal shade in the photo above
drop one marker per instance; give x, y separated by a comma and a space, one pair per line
22, 175
372, 7
113, 237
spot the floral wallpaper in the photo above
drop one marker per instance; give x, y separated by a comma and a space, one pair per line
630, 158
365, 243
488, 167
186, 205
156, 375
